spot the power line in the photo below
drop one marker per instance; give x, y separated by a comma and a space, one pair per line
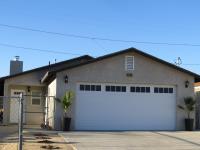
37, 49
191, 64
58, 52
49, 32
98, 38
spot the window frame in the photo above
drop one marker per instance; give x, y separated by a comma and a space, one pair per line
115, 88
36, 97
163, 90
90, 87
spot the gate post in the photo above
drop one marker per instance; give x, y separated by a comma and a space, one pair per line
21, 99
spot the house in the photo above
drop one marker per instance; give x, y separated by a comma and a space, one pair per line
29, 83
125, 90
197, 87
197, 97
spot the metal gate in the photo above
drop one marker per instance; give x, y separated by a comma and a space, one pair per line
47, 114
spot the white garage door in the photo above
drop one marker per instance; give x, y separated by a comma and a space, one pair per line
125, 107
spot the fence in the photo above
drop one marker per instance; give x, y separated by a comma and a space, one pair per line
21, 111
197, 112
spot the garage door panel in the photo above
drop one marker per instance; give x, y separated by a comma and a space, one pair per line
124, 111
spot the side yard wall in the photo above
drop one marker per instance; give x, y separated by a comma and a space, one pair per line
50, 103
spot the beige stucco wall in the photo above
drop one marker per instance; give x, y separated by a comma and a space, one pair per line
21, 83
112, 70
31, 79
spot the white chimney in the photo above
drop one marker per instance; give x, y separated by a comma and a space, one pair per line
16, 66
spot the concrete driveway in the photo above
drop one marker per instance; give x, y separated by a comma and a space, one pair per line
134, 140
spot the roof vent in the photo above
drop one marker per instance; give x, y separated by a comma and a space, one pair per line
16, 58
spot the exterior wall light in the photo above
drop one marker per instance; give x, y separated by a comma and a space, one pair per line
187, 84
28, 88
66, 79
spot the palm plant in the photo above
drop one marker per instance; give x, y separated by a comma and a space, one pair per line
67, 100
189, 105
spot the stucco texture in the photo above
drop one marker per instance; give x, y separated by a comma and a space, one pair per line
112, 70
21, 83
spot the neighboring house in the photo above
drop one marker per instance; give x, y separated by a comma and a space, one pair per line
197, 87
29, 82
197, 97
126, 90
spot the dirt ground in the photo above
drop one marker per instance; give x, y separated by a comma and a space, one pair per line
33, 140
36, 141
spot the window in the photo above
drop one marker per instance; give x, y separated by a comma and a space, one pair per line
98, 87
35, 101
87, 87
132, 89
166, 90
160, 90
118, 88
81, 87
92, 87
129, 63
111, 88
108, 88
140, 89
36, 98
155, 90
147, 89
123, 89
170, 90
84, 87
163, 90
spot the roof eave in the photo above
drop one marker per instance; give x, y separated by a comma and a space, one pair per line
196, 76
46, 67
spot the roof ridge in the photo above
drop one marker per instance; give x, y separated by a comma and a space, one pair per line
46, 66
132, 49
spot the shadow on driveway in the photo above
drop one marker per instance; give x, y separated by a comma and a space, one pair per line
177, 138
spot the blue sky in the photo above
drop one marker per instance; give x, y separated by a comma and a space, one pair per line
172, 21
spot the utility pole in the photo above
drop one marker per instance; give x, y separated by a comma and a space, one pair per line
21, 99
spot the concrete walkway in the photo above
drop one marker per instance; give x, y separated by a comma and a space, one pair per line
134, 140
7, 131
33, 138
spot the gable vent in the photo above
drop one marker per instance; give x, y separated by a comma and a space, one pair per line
129, 63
